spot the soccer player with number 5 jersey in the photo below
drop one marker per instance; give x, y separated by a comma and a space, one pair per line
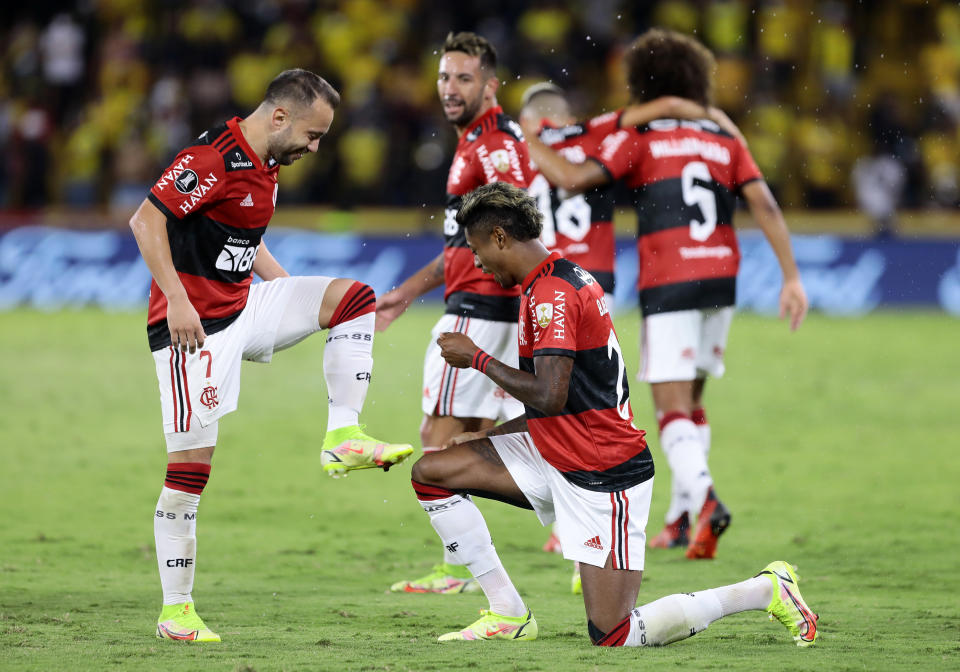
684, 177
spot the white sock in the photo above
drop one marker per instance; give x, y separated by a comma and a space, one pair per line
347, 363
466, 539
754, 593
704, 430
700, 420
175, 534
672, 618
677, 617
681, 444
679, 501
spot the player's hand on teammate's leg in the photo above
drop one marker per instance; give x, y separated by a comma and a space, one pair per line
463, 438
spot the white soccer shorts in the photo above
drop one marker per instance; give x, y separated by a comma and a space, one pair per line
591, 525
196, 390
467, 393
684, 344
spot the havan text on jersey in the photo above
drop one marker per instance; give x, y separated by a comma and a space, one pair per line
218, 199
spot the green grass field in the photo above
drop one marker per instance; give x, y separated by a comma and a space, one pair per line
835, 448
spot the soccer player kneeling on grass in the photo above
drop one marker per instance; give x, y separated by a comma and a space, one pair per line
200, 234
573, 457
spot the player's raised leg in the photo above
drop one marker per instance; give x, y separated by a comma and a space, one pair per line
442, 482
174, 527
347, 311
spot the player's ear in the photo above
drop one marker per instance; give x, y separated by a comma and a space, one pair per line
279, 118
499, 237
490, 88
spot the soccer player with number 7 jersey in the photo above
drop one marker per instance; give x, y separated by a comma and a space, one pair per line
684, 177
200, 233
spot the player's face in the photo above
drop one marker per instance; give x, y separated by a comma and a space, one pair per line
490, 255
463, 87
299, 132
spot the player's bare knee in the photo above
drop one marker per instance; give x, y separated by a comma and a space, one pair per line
423, 471
434, 469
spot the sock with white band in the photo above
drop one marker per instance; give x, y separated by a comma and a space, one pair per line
464, 534
679, 616
683, 447
699, 417
175, 529
348, 358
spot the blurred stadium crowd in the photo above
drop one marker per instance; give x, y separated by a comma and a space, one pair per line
842, 102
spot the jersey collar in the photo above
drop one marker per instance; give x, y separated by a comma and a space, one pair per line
234, 126
541, 269
474, 130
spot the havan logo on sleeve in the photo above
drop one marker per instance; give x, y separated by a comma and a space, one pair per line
175, 172
199, 190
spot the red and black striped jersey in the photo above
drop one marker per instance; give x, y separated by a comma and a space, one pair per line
684, 177
592, 441
218, 199
578, 226
493, 150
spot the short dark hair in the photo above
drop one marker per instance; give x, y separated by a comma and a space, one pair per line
501, 204
666, 63
301, 87
473, 45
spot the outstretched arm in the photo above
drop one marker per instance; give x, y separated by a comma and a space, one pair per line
514, 426
545, 389
391, 305
763, 206
574, 177
672, 107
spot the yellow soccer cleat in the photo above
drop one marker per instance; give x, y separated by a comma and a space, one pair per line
348, 448
181, 623
444, 579
495, 626
787, 605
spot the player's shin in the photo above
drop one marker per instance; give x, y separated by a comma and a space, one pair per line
465, 536
174, 528
699, 417
683, 447
679, 616
347, 358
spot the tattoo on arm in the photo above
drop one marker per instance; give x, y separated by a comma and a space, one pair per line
546, 389
438, 267
484, 448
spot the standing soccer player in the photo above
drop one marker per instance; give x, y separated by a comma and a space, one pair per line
580, 225
200, 232
490, 149
574, 457
577, 225
685, 176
